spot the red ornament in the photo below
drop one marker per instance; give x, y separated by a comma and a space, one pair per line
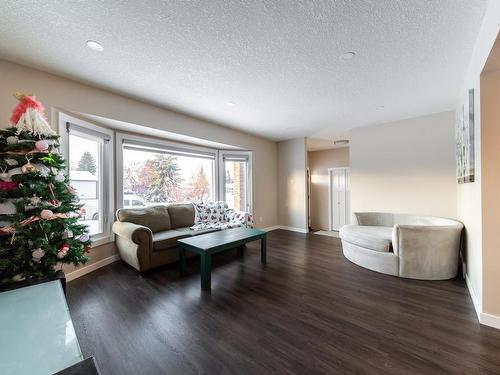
25, 102
64, 247
63, 250
8, 185
54, 202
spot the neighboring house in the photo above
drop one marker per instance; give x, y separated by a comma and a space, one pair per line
86, 186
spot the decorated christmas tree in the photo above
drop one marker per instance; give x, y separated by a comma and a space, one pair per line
39, 210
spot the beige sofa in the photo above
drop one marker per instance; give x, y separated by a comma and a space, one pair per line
410, 246
147, 237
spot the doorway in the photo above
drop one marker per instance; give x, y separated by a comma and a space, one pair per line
338, 197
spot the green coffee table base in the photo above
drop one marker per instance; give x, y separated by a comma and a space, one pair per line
207, 244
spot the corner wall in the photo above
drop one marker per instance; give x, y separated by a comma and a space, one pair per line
406, 166
318, 163
469, 197
292, 203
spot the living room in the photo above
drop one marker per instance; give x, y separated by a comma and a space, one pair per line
258, 187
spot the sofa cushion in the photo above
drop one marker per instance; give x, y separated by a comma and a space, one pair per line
167, 239
155, 218
181, 215
369, 237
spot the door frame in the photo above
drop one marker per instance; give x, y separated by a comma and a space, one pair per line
330, 190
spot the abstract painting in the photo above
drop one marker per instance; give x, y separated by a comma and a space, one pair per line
465, 140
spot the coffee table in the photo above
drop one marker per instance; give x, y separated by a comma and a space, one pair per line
207, 244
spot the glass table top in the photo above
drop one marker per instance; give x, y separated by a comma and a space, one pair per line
36, 331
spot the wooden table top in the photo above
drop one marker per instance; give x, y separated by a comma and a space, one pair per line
223, 237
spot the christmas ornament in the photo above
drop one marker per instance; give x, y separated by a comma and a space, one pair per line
29, 116
28, 167
9, 185
54, 202
60, 177
84, 237
35, 201
63, 250
12, 140
29, 220
46, 214
37, 255
68, 233
49, 159
18, 277
44, 171
41, 145
7, 230
8, 207
15, 171
71, 189
11, 162
4, 176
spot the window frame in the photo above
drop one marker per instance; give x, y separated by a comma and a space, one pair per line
106, 180
222, 189
166, 146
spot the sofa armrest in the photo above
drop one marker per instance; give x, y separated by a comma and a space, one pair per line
238, 218
138, 234
427, 251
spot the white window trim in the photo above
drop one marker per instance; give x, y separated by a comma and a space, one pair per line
159, 143
248, 154
107, 168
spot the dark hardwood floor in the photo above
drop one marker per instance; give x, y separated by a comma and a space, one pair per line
310, 311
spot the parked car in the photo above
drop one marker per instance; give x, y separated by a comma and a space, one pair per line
132, 201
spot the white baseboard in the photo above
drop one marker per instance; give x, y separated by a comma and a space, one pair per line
484, 318
473, 296
268, 229
490, 320
293, 229
91, 267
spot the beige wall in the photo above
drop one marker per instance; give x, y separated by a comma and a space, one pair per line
318, 163
68, 95
469, 199
292, 211
406, 166
490, 185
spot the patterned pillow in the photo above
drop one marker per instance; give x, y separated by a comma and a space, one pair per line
210, 212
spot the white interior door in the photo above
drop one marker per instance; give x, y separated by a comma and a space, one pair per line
339, 197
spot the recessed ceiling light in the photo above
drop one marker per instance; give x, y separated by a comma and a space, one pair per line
347, 56
231, 104
380, 107
96, 46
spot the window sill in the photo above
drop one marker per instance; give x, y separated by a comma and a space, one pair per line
101, 240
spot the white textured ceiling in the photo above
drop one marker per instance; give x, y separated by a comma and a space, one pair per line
277, 60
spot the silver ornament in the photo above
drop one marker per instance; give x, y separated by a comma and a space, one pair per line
37, 255
59, 177
68, 233
12, 140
